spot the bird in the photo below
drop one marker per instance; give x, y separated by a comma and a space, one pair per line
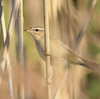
59, 51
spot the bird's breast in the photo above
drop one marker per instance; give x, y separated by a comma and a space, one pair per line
40, 49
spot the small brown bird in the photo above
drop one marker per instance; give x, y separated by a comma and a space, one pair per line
60, 52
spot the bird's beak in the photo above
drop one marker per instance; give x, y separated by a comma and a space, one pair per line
25, 30
28, 30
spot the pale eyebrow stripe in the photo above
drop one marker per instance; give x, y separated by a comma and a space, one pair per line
42, 29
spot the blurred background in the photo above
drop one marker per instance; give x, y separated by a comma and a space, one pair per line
66, 20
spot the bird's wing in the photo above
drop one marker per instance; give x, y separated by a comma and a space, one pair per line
72, 57
75, 59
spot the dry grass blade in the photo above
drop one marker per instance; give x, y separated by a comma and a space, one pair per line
19, 28
63, 80
10, 79
82, 32
9, 33
3, 27
47, 49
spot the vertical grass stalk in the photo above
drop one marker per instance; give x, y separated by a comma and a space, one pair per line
20, 33
47, 49
19, 27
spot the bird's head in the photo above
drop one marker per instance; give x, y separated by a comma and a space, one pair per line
37, 32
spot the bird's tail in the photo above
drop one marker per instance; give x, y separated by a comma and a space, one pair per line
90, 64
75, 59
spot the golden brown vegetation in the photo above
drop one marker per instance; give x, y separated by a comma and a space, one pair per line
66, 21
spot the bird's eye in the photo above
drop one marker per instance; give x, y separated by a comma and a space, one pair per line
36, 30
